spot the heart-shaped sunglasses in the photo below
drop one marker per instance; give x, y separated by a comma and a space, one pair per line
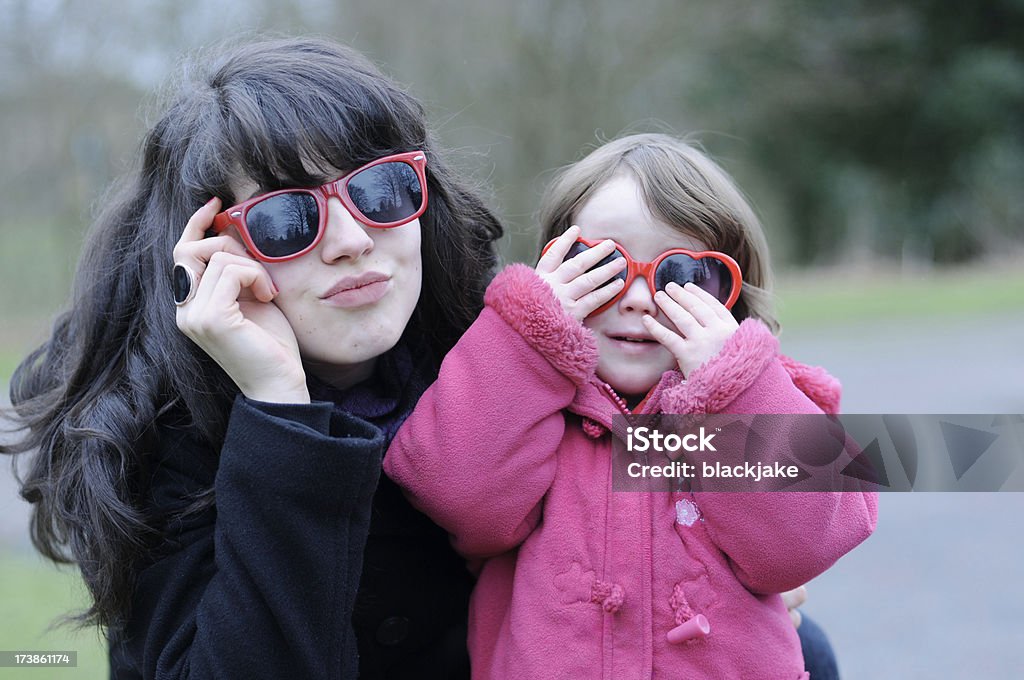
715, 272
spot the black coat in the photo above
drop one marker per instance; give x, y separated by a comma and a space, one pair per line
266, 583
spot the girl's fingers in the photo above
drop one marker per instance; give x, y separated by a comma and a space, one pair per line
680, 316
691, 303
556, 252
795, 598
235, 278
714, 303
796, 617
588, 259
196, 254
260, 282
200, 222
586, 305
673, 342
591, 280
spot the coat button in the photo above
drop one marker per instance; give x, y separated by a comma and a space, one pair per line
393, 631
696, 628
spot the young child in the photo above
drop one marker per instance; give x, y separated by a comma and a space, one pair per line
510, 450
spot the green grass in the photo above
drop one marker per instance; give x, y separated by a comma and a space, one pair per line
33, 593
806, 300
9, 360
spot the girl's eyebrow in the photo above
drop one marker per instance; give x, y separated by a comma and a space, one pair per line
260, 190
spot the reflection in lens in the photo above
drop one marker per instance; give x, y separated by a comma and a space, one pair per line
710, 274
578, 248
389, 192
283, 225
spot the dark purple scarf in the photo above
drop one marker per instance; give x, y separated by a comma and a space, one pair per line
388, 396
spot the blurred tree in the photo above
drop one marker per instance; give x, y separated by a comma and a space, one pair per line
860, 127
908, 106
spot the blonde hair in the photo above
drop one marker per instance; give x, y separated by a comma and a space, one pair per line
682, 187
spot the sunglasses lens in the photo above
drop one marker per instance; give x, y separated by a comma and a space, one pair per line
578, 248
283, 225
386, 193
708, 273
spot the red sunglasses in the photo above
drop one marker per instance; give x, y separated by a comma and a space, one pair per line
715, 272
282, 225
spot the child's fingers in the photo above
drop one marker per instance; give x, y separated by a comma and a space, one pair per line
677, 314
691, 303
586, 305
556, 251
714, 303
673, 342
591, 280
585, 261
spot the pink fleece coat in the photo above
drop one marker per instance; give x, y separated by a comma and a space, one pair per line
510, 451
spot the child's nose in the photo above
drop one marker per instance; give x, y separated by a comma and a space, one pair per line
344, 236
638, 299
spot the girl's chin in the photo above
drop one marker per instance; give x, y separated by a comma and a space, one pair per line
630, 388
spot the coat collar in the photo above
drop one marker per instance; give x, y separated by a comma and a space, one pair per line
596, 402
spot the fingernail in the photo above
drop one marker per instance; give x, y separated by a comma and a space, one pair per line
210, 201
274, 286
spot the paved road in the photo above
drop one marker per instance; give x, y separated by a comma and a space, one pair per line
936, 592
967, 365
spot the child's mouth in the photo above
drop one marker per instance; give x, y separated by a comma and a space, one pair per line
633, 340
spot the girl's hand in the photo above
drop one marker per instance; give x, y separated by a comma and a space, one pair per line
793, 599
575, 287
704, 324
232, 316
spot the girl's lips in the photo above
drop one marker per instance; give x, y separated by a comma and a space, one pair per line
631, 337
359, 296
632, 344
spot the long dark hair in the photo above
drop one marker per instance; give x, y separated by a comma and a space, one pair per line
90, 398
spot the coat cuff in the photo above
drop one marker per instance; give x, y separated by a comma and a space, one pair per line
814, 381
712, 386
527, 304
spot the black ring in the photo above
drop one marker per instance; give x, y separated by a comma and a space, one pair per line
184, 284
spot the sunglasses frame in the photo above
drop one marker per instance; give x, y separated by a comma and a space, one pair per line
235, 216
635, 268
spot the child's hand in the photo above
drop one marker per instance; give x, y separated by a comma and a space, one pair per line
703, 322
575, 287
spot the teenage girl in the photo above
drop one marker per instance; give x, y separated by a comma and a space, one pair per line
258, 307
